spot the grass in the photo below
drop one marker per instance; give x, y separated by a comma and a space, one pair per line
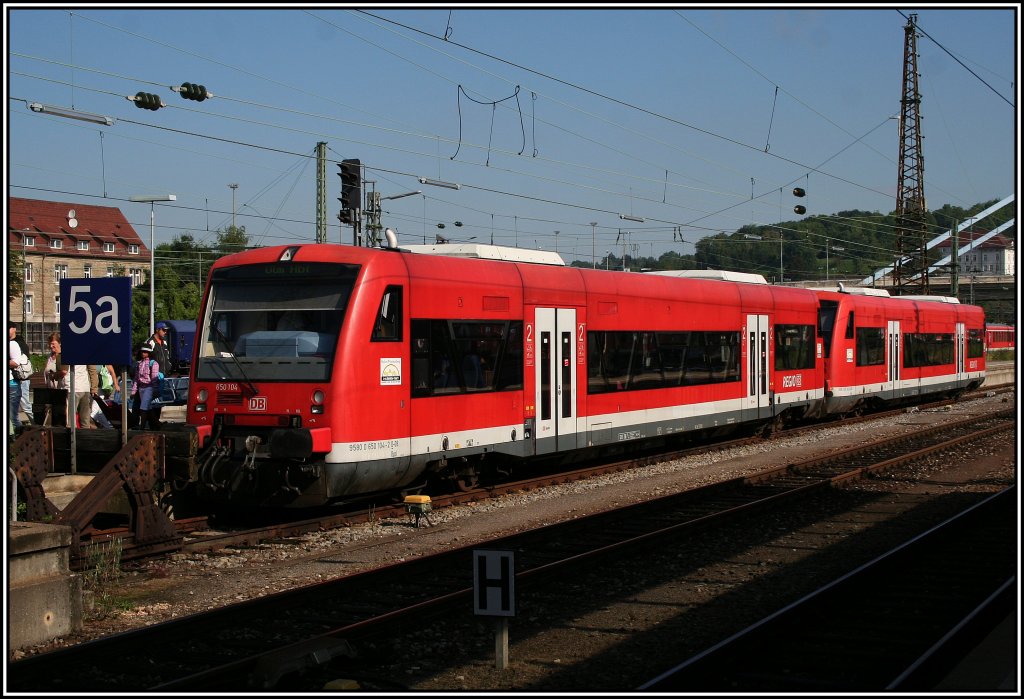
105, 571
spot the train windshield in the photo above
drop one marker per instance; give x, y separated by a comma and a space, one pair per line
276, 322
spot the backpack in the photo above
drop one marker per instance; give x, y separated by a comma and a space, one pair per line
158, 381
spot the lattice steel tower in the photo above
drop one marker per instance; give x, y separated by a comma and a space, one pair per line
910, 274
321, 192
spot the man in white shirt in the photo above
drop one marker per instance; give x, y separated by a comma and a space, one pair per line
15, 387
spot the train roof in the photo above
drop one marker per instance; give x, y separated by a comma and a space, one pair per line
884, 293
937, 299
488, 252
718, 274
854, 290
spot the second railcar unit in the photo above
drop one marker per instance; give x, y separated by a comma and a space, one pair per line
883, 349
1000, 337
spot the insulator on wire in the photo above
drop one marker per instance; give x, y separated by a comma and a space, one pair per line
147, 100
192, 91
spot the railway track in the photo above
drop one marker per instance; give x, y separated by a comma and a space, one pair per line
898, 623
195, 539
254, 645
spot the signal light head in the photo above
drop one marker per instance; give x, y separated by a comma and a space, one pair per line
351, 173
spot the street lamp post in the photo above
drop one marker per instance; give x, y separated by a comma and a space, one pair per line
593, 242
781, 278
234, 187
152, 199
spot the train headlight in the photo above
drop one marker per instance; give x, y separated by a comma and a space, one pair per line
201, 395
318, 402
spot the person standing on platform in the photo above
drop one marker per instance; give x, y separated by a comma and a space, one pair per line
147, 378
14, 358
161, 354
23, 385
56, 375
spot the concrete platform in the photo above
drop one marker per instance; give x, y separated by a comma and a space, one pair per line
44, 597
1000, 375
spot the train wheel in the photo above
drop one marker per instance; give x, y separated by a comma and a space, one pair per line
167, 505
772, 427
467, 482
180, 501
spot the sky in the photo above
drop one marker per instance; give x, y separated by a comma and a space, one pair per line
555, 123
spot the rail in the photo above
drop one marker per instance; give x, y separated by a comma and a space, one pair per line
253, 644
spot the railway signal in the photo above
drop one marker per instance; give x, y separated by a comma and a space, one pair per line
351, 184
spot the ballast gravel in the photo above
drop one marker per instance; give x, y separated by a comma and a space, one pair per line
154, 591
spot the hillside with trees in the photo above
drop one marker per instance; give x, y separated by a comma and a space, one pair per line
846, 245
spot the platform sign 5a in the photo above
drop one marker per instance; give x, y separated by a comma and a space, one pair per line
494, 590
96, 320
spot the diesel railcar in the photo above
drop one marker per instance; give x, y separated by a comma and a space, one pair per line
890, 350
1000, 337
323, 372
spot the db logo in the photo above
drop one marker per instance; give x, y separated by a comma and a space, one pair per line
258, 403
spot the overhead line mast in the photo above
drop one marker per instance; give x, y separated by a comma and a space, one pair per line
910, 274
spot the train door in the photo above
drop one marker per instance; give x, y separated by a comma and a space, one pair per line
960, 352
758, 402
555, 380
895, 361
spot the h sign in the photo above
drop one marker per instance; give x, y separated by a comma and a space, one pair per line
494, 583
96, 320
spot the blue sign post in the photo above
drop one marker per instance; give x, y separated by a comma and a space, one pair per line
95, 328
96, 320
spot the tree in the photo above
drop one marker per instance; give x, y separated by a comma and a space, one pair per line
15, 275
231, 240
182, 268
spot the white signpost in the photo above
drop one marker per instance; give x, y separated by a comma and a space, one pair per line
494, 594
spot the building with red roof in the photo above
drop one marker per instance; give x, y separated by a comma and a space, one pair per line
995, 256
66, 240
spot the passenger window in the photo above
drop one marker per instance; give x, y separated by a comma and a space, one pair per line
388, 326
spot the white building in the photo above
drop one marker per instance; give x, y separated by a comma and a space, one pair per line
996, 256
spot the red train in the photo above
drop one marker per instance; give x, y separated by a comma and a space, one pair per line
1000, 336
322, 372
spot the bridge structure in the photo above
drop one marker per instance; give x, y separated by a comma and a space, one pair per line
882, 274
